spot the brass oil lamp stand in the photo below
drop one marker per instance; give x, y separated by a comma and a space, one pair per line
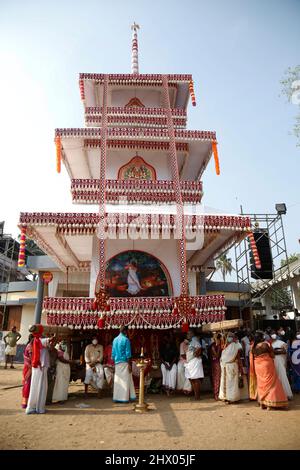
141, 406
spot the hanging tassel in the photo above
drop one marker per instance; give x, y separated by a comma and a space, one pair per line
216, 157
101, 322
81, 87
192, 93
185, 327
21, 259
254, 251
58, 154
175, 309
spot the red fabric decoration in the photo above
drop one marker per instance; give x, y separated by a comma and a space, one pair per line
184, 327
37, 346
101, 322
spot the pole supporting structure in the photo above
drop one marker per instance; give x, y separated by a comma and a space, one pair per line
39, 301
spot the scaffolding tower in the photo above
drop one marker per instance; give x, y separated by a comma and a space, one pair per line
251, 293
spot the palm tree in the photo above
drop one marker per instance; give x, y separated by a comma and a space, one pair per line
224, 264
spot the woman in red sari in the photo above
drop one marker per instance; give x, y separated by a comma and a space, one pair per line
270, 393
215, 355
27, 371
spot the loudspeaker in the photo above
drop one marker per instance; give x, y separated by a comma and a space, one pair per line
262, 241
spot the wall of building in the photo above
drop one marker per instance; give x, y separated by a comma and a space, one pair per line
27, 319
149, 98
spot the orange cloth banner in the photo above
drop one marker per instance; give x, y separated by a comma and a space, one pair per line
216, 157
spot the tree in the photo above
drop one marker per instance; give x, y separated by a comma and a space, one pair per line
291, 258
224, 264
291, 89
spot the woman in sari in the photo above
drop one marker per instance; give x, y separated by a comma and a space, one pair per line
26, 379
294, 359
231, 370
270, 392
215, 356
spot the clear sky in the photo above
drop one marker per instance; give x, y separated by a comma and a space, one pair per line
236, 50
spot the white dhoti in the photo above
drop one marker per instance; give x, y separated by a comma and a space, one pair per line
10, 350
280, 366
95, 377
109, 374
229, 385
194, 369
38, 391
182, 382
169, 377
62, 380
123, 384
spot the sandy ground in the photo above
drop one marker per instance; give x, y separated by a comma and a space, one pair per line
173, 423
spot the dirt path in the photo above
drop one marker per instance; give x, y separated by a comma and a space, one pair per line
176, 423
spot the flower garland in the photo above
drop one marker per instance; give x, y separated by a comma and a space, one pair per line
192, 92
254, 250
21, 258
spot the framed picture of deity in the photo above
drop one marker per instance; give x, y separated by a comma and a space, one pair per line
137, 169
137, 274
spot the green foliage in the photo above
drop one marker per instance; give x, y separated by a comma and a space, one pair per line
291, 258
224, 264
290, 87
281, 298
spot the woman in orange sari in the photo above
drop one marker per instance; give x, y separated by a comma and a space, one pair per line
270, 393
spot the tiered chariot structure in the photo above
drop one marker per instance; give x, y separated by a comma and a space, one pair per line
142, 256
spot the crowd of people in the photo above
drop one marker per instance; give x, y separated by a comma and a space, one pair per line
241, 365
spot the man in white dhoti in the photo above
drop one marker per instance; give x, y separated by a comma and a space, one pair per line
63, 374
280, 360
133, 282
94, 374
193, 367
123, 382
183, 384
231, 370
40, 363
169, 357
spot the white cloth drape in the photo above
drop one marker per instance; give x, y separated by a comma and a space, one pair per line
169, 376
123, 384
280, 366
95, 378
38, 390
182, 382
229, 386
62, 380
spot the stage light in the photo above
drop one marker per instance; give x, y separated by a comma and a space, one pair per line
280, 208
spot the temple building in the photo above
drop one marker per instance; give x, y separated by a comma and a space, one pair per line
142, 257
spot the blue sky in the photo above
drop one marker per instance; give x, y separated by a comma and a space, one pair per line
236, 50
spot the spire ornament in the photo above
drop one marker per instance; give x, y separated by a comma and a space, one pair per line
134, 50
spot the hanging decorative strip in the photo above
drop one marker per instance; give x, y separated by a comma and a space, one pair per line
135, 133
176, 181
81, 87
58, 153
136, 312
102, 186
192, 92
216, 157
21, 258
254, 251
87, 222
120, 111
140, 79
135, 191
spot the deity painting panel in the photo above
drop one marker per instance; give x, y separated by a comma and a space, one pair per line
136, 274
137, 169
134, 103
